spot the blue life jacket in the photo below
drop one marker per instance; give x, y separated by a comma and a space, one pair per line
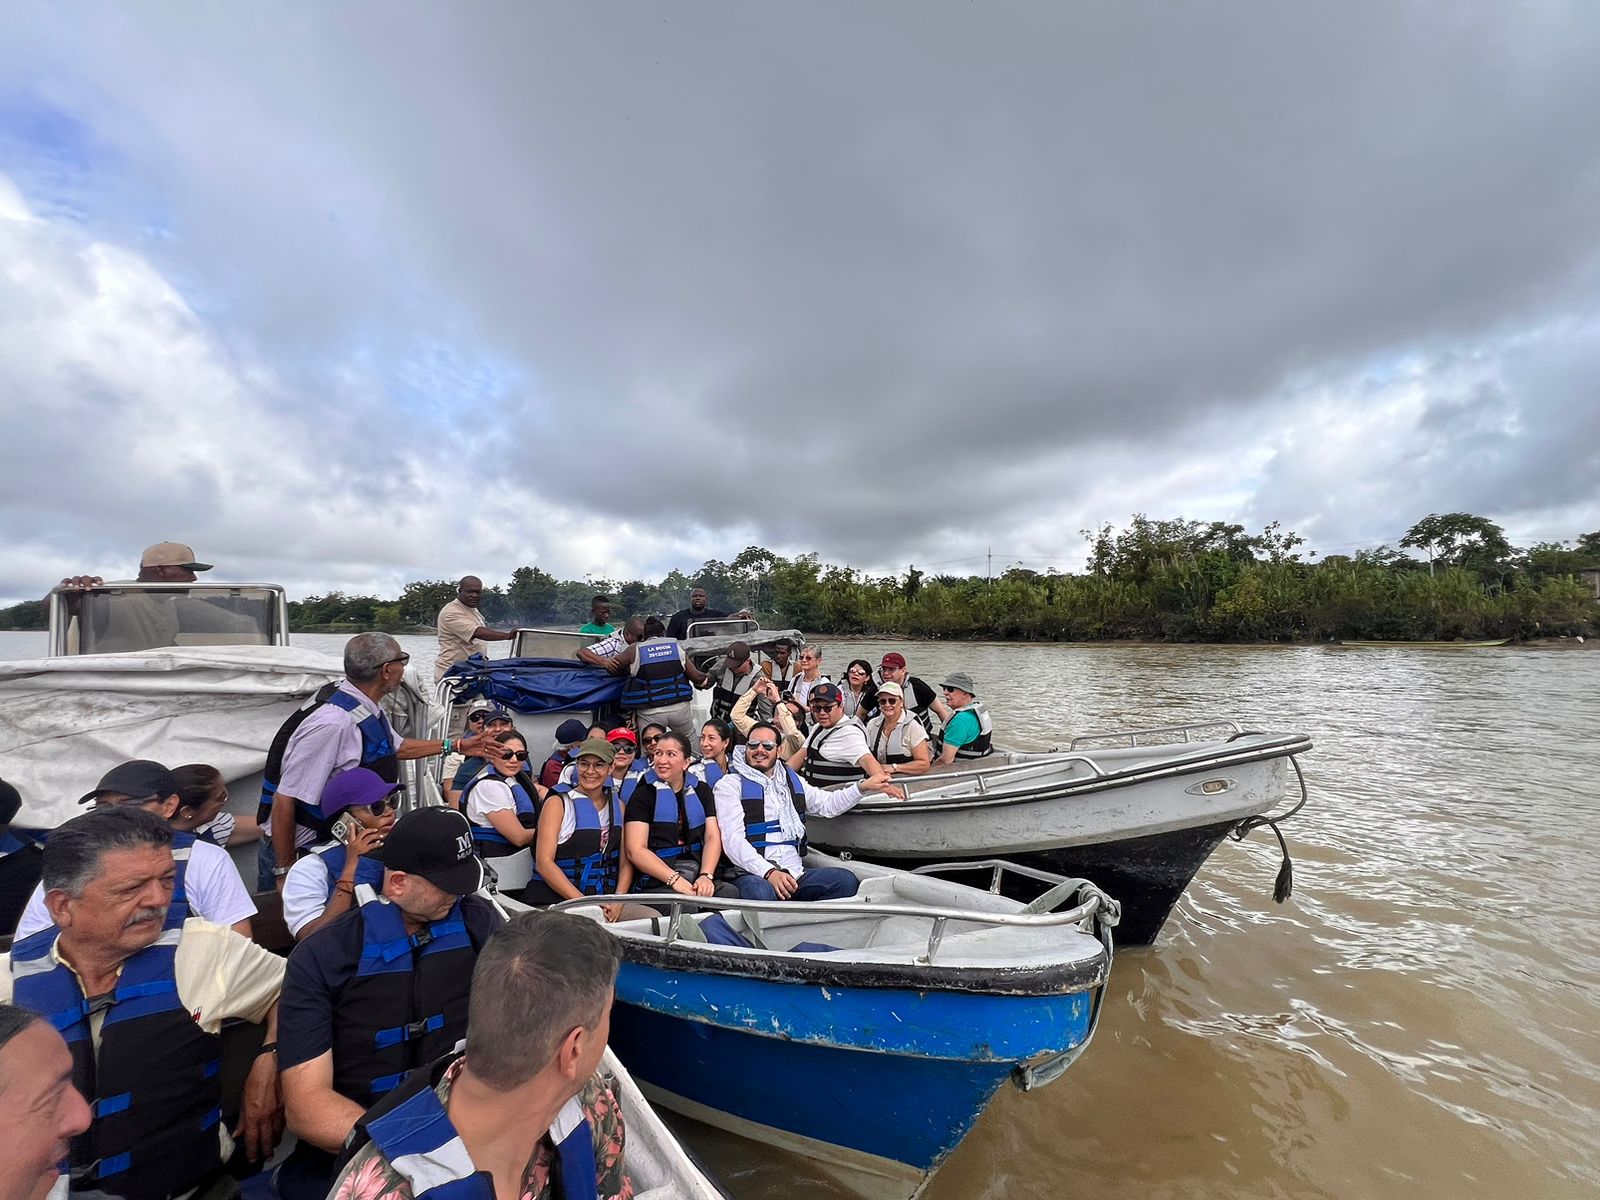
676, 826
413, 1133
369, 871
758, 829
705, 771
660, 679
589, 869
153, 1085
407, 1002
379, 753
488, 840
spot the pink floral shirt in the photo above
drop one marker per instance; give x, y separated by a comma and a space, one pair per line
370, 1177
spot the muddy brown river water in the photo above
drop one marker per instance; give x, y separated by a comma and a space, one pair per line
1420, 1020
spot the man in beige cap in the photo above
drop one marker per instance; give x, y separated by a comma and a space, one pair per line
144, 621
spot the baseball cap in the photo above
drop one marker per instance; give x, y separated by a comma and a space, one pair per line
484, 710
623, 735
599, 747
355, 788
891, 689
137, 779
893, 659
436, 843
827, 693
498, 712
571, 731
171, 554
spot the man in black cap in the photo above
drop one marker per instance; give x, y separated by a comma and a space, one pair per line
20, 861
836, 752
207, 885
380, 990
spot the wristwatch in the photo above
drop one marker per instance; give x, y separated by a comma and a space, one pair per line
279, 872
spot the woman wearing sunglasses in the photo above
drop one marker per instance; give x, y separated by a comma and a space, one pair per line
579, 848
627, 765
896, 738
502, 802
338, 875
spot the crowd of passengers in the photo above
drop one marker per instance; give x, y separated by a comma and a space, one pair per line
133, 946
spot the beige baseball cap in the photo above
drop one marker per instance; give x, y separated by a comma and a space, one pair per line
172, 554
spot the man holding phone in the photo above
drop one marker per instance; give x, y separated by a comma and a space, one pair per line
339, 874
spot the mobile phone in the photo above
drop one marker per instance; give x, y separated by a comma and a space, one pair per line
344, 828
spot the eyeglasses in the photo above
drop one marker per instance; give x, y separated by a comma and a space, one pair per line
477, 718
518, 756
379, 807
652, 739
822, 705
761, 744
882, 700
404, 658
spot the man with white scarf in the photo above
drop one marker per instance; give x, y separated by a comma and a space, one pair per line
761, 811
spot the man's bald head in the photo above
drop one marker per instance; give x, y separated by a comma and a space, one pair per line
470, 590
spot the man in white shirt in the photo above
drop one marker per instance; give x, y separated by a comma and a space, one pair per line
836, 750
211, 885
461, 629
759, 804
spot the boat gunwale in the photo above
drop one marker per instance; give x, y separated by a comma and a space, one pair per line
1285, 746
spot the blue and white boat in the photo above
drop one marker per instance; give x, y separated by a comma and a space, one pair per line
868, 1034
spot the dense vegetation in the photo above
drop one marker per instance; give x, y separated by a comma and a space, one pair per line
1175, 580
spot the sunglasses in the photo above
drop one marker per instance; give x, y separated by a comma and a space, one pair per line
652, 739
887, 700
761, 744
518, 756
380, 807
477, 718
404, 658
823, 706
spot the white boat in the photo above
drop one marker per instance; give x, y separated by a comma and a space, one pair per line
1139, 818
660, 1166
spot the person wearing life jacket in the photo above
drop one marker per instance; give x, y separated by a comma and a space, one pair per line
579, 847
762, 806
731, 679
626, 765
381, 990
968, 734
524, 1100
40, 1110
669, 829
716, 743
21, 860
207, 884
141, 1008
341, 873
661, 677
896, 738
808, 676
502, 802
780, 667
922, 702
494, 721
836, 750
349, 729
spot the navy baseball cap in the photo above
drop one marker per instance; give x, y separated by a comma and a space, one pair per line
138, 779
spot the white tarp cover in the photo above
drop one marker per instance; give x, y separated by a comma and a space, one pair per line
64, 722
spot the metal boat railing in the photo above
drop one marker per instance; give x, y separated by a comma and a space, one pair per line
1007, 773
1178, 733
1097, 907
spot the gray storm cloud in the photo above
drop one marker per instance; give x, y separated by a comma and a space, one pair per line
883, 280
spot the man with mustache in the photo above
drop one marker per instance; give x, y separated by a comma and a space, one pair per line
141, 1008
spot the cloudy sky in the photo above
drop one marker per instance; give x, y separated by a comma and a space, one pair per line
352, 293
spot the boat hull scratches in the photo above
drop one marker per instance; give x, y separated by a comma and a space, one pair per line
851, 1077
1146, 875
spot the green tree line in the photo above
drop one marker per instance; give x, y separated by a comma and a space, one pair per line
1158, 580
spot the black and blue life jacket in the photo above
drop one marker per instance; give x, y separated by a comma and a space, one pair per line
379, 752
677, 822
407, 1002
486, 839
588, 868
413, 1133
153, 1085
660, 679
762, 831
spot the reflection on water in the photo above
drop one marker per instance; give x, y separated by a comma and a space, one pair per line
1419, 1020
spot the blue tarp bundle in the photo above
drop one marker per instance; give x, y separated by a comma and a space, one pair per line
537, 685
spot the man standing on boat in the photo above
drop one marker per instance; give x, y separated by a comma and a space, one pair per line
762, 806
145, 620
349, 729
142, 1008
599, 618
526, 1104
661, 679
461, 630
968, 734
381, 990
